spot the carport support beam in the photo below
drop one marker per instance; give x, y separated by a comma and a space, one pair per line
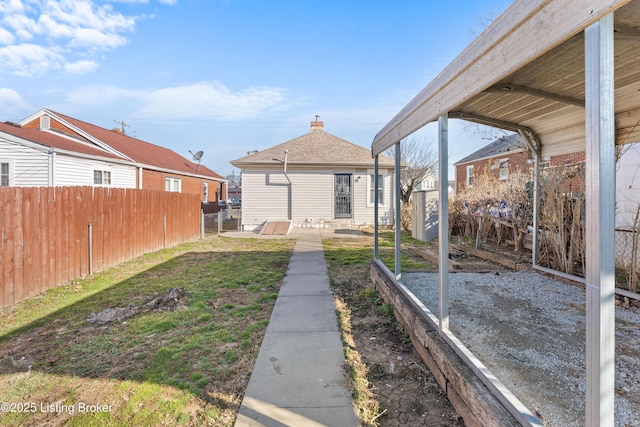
376, 196
443, 219
398, 182
600, 204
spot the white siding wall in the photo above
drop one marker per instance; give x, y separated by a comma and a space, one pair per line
264, 197
77, 171
312, 195
364, 211
30, 167
33, 167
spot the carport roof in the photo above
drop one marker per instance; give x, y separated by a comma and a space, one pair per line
526, 71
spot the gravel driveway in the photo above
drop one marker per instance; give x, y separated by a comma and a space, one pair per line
529, 330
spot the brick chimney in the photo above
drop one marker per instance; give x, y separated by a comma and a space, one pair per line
317, 125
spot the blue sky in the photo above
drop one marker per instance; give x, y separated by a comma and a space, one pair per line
230, 76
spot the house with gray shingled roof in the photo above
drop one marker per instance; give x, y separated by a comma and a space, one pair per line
316, 180
500, 158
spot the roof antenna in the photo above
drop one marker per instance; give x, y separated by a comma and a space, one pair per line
122, 125
317, 117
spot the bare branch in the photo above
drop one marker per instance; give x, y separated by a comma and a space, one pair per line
418, 158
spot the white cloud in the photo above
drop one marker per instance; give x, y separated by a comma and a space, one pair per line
81, 67
211, 100
74, 30
12, 104
23, 26
29, 60
204, 100
6, 37
11, 6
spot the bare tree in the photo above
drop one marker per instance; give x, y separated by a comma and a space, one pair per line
418, 157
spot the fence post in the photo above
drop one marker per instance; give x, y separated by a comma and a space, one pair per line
164, 226
90, 249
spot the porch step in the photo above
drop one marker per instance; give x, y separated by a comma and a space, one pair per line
279, 228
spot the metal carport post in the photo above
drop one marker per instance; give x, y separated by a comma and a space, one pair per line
443, 219
600, 203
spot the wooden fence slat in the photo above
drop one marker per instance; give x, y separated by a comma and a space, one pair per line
3, 207
27, 243
59, 241
98, 229
41, 246
49, 260
8, 206
18, 247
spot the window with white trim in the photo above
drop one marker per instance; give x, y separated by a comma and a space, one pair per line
504, 169
470, 176
173, 184
45, 122
5, 174
205, 192
101, 177
372, 189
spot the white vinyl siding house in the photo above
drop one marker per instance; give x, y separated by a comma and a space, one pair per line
265, 197
33, 164
317, 180
71, 170
26, 166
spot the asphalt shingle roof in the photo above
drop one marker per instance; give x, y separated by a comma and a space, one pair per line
502, 145
52, 140
141, 151
316, 148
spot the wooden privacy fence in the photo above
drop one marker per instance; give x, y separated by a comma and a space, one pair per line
53, 235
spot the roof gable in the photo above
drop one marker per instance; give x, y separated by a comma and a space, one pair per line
506, 144
52, 139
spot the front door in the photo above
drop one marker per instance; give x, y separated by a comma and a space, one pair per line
343, 195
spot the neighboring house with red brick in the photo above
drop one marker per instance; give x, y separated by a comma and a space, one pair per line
509, 156
51, 149
315, 180
500, 159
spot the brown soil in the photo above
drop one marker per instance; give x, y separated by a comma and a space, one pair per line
406, 391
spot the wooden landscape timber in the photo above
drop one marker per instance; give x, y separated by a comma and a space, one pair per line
472, 400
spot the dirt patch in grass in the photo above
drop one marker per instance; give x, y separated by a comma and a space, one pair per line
187, 364
392, 387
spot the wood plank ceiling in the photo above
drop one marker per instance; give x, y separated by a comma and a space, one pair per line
547, 94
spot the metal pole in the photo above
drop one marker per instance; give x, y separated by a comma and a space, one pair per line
536, 208
376, 254
600, 204
443, 219
398, 270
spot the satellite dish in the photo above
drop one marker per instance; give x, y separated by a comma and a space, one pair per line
197, 156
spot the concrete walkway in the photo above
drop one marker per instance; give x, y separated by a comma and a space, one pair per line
299, 378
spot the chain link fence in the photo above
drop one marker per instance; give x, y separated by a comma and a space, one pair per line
223, 221
627, 255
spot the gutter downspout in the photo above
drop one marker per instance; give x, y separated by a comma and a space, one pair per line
52, 163
286, 158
